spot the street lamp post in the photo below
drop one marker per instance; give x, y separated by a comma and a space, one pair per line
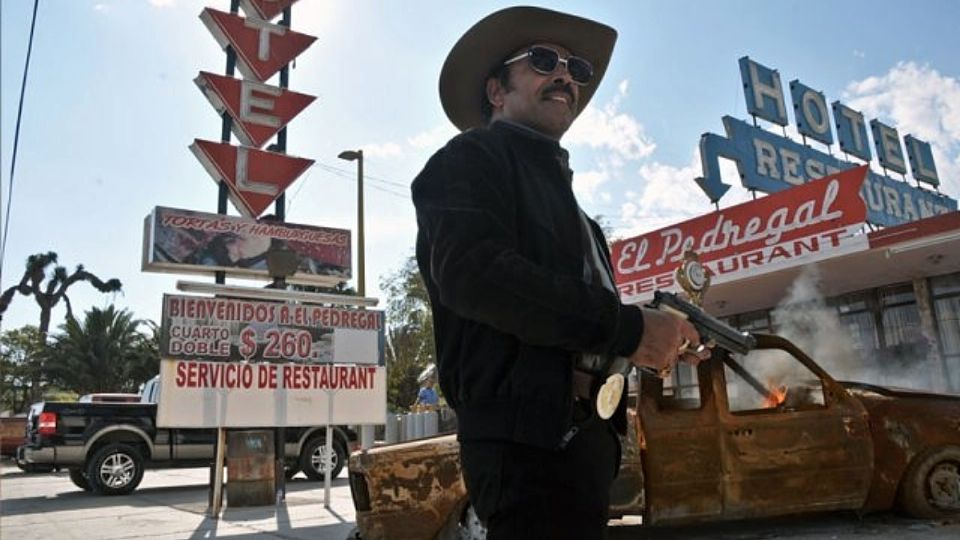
366, 431
357, 155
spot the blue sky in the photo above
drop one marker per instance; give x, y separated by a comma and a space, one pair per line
111, 108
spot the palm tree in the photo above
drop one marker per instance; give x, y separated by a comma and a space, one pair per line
104, 353
49, 295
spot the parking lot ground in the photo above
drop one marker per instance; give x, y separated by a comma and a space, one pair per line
169, 504
825, 526
172, 503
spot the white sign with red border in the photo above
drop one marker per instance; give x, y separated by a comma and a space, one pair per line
804, 224
198, 394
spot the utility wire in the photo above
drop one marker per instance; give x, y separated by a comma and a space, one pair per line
366, 175
350, 177
16, 140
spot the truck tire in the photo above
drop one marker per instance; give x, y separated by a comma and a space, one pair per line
79, 479
311, 458
930, 487
115, 469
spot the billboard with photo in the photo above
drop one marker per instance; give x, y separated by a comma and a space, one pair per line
185, 241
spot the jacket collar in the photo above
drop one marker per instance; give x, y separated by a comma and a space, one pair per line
537, 139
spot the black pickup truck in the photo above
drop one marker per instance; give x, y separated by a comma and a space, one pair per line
107, 446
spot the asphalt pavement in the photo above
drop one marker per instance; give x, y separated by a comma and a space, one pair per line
172, 504
169, 504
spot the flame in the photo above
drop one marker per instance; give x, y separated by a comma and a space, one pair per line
777, 394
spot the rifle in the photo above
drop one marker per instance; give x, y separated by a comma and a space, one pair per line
710, 328
713, 332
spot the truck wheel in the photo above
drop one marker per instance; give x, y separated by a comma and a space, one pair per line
115, 469
930, 488
311, 459
79, 479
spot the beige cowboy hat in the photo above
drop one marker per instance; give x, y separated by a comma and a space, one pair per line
489, 42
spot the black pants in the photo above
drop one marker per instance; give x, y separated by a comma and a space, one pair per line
527, 493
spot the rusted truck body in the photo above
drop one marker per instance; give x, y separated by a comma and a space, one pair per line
766, 434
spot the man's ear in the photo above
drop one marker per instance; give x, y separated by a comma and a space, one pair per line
495, 93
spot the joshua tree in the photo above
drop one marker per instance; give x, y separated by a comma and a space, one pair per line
49, 295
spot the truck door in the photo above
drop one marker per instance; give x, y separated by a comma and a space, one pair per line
681, 460
792, 439
194, 444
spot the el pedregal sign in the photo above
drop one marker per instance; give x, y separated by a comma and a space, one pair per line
807, 223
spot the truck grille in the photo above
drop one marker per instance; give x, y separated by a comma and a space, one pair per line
358, 488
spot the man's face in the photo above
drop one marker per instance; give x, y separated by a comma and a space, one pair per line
546, 103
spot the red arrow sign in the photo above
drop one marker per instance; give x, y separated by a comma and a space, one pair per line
262, 48
256, 178
259, 111
265, 9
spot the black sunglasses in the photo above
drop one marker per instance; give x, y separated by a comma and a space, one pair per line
545, 61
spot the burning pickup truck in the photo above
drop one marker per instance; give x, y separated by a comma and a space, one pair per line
762, 434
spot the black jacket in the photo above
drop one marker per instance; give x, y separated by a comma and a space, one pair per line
501, 248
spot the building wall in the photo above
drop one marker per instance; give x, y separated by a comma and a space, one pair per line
902, 334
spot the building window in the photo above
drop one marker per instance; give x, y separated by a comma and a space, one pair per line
681, 390
900, 317
856, 312
752, 321
946, 308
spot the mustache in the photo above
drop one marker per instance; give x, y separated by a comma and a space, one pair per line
560, 87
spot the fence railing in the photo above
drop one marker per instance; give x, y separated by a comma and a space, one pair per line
417, 425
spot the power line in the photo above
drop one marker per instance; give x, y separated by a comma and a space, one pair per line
16, 139
352, 177
370, 181
368, 176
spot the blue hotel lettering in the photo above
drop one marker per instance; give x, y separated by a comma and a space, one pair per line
768, 162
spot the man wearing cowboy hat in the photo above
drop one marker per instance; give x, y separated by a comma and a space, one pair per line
520, 280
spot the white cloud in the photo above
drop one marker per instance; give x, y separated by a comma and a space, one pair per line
609, 129
433, 138
670, 195
163, 3
384, 150
585, 184
103, 8
920, 101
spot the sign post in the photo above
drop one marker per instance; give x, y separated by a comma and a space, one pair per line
328, 452
289, 358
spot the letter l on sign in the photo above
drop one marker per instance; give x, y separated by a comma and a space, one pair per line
255, 177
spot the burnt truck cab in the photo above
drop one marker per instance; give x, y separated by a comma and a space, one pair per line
740, 436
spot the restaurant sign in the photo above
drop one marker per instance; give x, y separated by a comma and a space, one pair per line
808, 223
769, 162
